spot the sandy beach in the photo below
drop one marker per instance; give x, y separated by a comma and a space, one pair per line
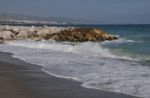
74, 49
21, 80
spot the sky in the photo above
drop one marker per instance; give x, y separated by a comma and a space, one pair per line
105, 11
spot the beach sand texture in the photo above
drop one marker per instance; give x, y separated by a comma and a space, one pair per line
21, 80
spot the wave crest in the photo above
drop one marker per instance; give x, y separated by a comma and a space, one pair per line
85, 48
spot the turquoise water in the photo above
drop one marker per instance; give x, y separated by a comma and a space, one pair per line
134, 40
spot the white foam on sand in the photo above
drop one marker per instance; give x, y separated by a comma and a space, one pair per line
88, 63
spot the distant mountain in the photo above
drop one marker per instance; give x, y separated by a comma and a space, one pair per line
5, 17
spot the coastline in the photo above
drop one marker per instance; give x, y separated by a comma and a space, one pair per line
23, 80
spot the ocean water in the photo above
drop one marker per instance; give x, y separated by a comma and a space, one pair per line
121, 66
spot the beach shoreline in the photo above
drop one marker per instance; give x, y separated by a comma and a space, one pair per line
23, 80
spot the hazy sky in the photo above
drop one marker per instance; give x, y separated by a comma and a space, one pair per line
106, 11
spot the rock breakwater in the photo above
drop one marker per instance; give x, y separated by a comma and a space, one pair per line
54, 33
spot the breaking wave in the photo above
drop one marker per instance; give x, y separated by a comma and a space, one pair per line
85, 48
90, 63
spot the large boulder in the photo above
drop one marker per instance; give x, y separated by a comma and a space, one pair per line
15, 30
90, 37
55, 37
22, 34
7, 35
26, 34
43, 33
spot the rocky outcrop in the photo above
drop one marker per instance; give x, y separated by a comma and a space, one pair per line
81, 35
54, 33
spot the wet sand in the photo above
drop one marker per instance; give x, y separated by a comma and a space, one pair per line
22, 80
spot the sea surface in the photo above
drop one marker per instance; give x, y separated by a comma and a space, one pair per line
121, 66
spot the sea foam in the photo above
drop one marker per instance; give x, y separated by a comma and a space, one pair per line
96, 67
85, 48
